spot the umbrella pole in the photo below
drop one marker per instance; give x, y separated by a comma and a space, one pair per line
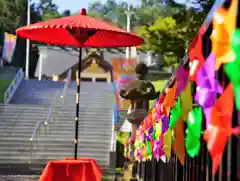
77, 119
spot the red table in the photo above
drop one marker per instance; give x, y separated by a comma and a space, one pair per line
83, 169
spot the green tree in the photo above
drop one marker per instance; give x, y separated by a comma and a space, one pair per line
10, 13
165, 38
48, 10
66, 13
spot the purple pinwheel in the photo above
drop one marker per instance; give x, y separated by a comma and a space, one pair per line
164, 124
181, 80
156, 150
208, 86
150, 131
161, 147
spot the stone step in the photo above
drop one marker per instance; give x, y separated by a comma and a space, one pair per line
58, 110
52, 135
66, 107
101, 96
43, 160
56, 141
56, 125
15, 171
19, 177
49, 101
83, 116
57, 151
53, 145
30, 107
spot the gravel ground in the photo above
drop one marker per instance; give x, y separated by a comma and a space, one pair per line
19, 177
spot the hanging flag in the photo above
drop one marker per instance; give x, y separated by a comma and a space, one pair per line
178, 144
220, 38
208, 86
186, 101
232, 68
194, 132
181, 80
168, 143
169, 99
220, 128
195, 56
175, 114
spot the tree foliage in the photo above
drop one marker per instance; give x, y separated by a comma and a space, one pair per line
166, 26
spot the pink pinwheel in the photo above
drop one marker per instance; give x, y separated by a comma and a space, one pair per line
139, 154
208, 86
161, 146
142, 136
157, 150
158, 110
181, 80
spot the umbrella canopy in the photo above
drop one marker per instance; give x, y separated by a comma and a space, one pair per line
79, 31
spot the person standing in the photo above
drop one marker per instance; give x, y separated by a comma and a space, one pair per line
139, 92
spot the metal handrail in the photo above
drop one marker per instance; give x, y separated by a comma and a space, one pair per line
13, 86
51, 108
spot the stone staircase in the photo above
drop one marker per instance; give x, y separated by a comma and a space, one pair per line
18, 155
37, 92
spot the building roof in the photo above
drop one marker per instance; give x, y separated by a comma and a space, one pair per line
60, 60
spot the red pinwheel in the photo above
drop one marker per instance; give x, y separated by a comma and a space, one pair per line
195, 56
220, 128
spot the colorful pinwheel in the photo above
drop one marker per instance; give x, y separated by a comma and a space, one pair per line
175, 114
208, 86
168, 143
181, 80
178, 144
220, 129
232, 69
194, 132
186, 101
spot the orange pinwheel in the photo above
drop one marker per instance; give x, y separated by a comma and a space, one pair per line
230, 17
178, 145
220, 38
169, 100
220, 129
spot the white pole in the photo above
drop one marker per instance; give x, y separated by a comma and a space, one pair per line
40, 67
129, 13
28, 42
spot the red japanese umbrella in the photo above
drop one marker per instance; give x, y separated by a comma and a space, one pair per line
79, 31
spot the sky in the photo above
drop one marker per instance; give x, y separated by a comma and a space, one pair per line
76, 5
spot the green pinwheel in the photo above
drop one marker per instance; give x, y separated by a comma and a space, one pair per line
194, 132
232, 68
149, 150
175, 114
